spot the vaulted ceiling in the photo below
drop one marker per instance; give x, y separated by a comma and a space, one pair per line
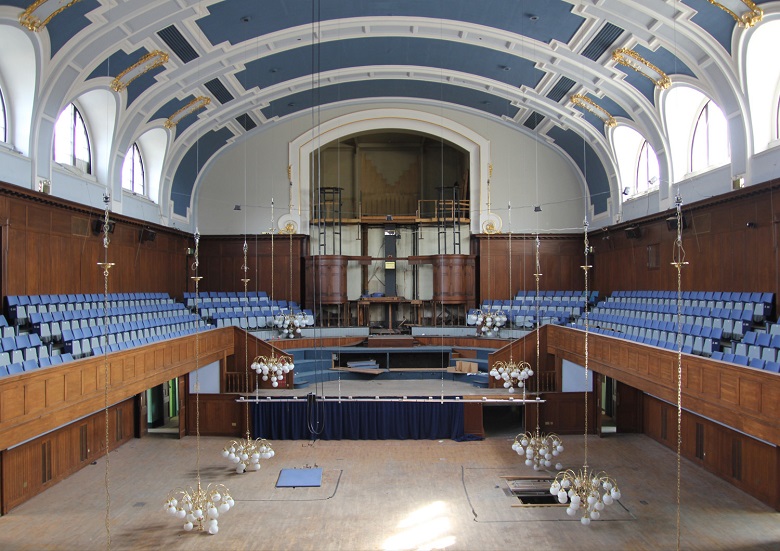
261, 63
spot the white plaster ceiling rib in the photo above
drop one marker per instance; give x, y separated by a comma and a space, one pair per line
669, 23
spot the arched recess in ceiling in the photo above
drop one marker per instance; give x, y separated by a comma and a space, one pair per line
300, 149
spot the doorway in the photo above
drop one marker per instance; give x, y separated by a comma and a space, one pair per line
162, 413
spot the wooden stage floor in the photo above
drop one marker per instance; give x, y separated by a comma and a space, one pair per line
389, 495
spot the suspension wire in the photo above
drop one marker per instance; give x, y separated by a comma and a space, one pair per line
106, 266
586, 267
196, 278
678, 262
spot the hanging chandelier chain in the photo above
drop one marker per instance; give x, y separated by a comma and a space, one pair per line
586, 268
196, 278
678, 263
537, 276
106, 266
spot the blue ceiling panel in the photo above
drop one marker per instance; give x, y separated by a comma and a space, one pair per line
64, 25
588, 162
359, 52
236, 21
191, 165
118, 62
661, 58
383, 89
170, 108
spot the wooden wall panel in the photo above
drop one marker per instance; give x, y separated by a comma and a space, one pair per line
756, 472
23, 466
220, 415
51, 249
719, 399
723, 253
222, 258
560, 258
81, 384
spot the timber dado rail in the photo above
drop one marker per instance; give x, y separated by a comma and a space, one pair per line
743, 398
39, 401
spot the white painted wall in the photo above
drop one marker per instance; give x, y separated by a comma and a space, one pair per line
207, 379
573, 378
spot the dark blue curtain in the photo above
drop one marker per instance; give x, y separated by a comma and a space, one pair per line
307, 420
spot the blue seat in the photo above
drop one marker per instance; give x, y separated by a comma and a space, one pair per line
8, 344
741, 360
758, 363
15, 368
774, 367
30, 365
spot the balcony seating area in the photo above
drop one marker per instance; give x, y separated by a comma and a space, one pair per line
725, 326
251, 312
48, 330
558, 307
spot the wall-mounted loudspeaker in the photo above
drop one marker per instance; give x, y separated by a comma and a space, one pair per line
633, 232
97, 226
671, 223
148, 235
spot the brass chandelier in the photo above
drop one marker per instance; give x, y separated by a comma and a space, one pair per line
199, 507
538, 448
586, 491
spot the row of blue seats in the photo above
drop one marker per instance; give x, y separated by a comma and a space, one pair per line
667, 344
68, 315
715, 333
236, 303
32, 365
742, 296
762, 339
258, 311
723, 313
20, 342
24, 300
125, 345
767, 353
100, 330
573, 294
739, 359
518, 303
226, 294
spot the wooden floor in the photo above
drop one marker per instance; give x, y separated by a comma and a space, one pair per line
389, 495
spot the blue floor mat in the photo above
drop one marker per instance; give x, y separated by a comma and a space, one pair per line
299, 478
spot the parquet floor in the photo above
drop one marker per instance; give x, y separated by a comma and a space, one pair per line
389, 495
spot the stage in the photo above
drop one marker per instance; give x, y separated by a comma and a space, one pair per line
376, 410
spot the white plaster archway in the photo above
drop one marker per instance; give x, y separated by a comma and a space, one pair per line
300, 149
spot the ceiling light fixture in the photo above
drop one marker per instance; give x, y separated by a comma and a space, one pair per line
583, 101
199, 507
193, 106
629, 58
538, 448
734, 7
40, 13
146, 63
586, 490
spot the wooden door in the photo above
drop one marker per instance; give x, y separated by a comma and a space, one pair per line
182, 396
140, 407
628, 408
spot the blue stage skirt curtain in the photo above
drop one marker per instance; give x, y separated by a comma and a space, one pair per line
277, 420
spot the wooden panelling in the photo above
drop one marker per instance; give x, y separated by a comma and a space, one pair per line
757, 462
220, 415
719, 397
51, 249
222, 258
722, 252
563, 413
560, 258
76, 389
62, 452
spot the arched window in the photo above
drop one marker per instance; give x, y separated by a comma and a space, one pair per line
3, 125
71, 142
637, 162
710, 144
133, 171
647, 172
